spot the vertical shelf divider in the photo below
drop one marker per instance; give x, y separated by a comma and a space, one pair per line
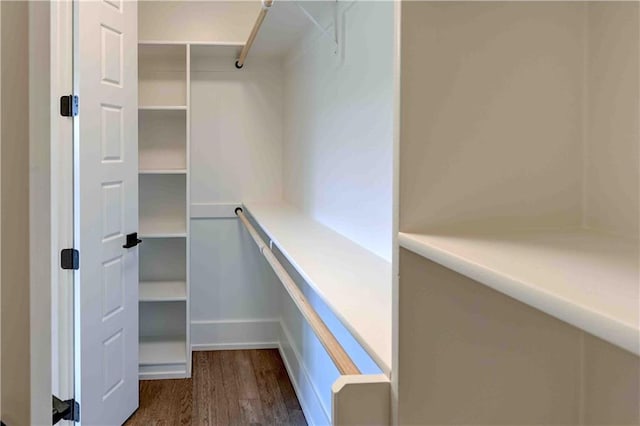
188, 210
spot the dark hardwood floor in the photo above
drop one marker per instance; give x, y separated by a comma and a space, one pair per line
227, 388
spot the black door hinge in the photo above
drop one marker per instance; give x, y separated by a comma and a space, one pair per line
69, 106
70, 259
65, 410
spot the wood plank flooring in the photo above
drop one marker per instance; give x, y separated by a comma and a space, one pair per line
227, 388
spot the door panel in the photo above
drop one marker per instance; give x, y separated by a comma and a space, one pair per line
107, 210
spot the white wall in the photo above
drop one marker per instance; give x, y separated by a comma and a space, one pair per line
236, 156
15, 224
236, 130
338, 127
611, 145
40, 256
466, 69
196, 20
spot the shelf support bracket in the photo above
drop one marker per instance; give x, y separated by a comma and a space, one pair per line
325, 31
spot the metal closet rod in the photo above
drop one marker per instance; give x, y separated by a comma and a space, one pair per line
266, 4
338, 355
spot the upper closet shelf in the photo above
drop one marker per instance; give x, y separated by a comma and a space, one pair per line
587, 279
352, 281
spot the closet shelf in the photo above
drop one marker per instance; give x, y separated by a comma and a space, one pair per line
144, 235
585, 278
162, 351
162, 229
352, 281
162, 171
162, 108
163, 291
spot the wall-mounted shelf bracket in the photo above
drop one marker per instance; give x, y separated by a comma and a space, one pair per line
334, 35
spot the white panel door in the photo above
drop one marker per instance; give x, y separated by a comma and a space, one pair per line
107, 210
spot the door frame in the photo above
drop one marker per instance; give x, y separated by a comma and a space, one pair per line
39, 24
62, 193
43, 25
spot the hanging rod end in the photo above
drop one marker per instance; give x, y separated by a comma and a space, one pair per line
238, 65
238, 209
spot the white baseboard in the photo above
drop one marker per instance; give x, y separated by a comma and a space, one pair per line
306, 391
234, 346
235, 334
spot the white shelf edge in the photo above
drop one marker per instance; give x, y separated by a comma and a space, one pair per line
162, 171
163, 235
163, 291
161, 43
600, 325
173, 349
162, 229
162, 108
191, 43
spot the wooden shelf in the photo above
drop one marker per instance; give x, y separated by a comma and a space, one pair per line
341, 272
163, 291
162, 350
587, 279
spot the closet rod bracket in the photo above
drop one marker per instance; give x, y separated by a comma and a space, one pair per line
324, 31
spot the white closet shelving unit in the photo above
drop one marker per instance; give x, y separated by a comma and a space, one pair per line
235, 117
164, 210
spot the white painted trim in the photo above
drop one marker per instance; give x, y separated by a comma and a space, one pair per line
188, 213
61, 201
216, 335
234, 346
214, 210
395, 254
299, 381
162, 375
363, 399
0, 212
